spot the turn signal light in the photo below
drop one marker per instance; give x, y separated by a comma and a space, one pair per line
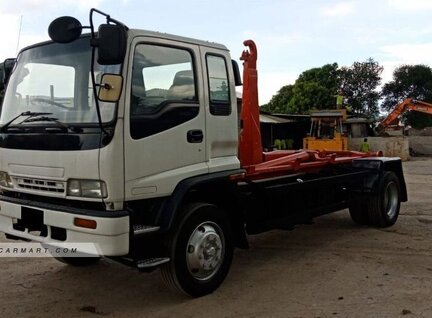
86, 223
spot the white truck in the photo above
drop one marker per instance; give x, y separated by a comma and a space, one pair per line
130, 140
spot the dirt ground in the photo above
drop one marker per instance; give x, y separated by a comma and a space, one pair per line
330, 269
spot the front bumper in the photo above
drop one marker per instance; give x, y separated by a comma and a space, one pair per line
111, 235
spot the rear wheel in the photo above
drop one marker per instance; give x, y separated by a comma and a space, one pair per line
358, 209
383, 208
201, 251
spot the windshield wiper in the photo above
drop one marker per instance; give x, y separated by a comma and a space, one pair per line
53, 120
27, 113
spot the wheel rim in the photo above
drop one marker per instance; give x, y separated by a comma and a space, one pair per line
205, 250
391, 199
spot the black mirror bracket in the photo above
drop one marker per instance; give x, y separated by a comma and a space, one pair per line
68, 29
108, 19
95, 43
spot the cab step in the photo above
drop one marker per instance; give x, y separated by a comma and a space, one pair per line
151, 263
139, 229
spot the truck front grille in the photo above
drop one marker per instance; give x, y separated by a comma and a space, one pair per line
40, 185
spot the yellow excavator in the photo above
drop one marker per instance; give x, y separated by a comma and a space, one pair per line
326, 131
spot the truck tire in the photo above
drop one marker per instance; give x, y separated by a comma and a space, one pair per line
358, 210
201, 251
78, 261
383, 207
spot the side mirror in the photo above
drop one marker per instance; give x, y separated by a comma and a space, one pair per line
236, 71
6, 71
64, 30
110, 88
111, 44
2, 85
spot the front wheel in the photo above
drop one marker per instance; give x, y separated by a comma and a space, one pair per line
201, 251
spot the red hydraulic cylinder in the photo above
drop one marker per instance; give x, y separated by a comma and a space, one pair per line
250, 147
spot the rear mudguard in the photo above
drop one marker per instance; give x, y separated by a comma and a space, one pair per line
380, 165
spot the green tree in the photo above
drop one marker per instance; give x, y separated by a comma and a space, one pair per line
359, 84
409, 81
317, 88
314, 89
279, 102
327, 76
310, 95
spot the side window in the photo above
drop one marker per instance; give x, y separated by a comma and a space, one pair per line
220, 103
163, 89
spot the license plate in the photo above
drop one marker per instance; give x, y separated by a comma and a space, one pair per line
31, 219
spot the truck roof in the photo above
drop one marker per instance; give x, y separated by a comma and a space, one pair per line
139, 32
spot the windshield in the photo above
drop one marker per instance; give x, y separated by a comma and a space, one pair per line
55, 78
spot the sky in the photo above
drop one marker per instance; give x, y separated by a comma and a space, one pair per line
291, 35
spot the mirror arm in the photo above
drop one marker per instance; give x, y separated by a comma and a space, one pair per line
95, 93
108, 19
91, 23
105, 86
94, 43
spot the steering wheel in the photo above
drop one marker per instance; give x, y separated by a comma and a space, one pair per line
35, 101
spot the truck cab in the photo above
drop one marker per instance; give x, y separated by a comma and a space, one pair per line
176, 118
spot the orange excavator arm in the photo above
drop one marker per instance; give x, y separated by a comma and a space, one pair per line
406, 105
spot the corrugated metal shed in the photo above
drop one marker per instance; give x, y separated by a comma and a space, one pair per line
269, 119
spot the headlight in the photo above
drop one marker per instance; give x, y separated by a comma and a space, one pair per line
87, 188
5, 180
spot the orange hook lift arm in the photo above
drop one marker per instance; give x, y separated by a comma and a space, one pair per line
250, 147
259, 165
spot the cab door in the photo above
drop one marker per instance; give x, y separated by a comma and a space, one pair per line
164, 117
221, 109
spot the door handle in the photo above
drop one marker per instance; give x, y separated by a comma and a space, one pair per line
195, 136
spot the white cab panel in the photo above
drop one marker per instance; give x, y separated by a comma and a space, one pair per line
154, 164
112, 167
49, 165
221, 131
